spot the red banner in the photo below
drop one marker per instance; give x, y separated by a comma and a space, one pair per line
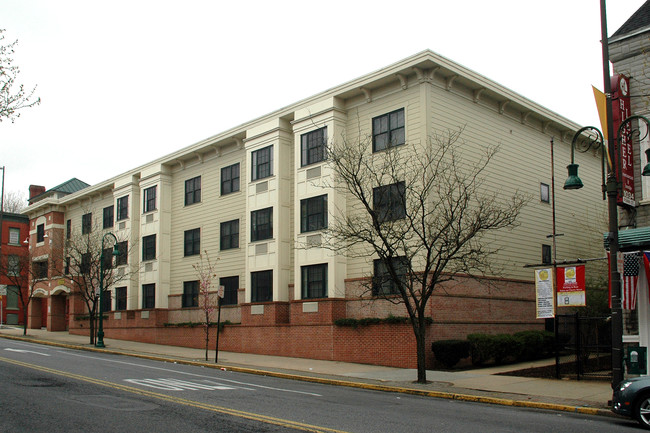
571, 286
624, 161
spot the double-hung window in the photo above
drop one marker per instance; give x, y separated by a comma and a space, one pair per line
314, 281
149, 201
149, 247
229, 235
383, 284
40, 233
123, 208
230, 179
261, 224
313, 213
107, 217
86, 223
388, 130
389, 201
192, 242
107, 301
230, 288
14, 235
120, 298
262, 286
123, 257
193, 190
312, 146
190, 294
262, 163
149, 296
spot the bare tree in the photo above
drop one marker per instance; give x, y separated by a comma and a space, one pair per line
14, 202
23, 274
423, 212
13, 96
205, 270
80, 256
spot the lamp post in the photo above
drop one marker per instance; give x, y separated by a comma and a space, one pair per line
116, 252
593, 138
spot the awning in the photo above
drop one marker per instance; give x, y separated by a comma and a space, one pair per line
631, 239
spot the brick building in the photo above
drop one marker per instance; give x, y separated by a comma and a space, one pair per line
247, 196
15, 230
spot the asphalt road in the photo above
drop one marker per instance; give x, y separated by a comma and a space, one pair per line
50, 389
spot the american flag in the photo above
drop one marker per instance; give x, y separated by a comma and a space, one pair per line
629, 280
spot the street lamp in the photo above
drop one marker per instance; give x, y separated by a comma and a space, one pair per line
593, 138
116, 252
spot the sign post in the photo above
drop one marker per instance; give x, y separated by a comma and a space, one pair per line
220, 294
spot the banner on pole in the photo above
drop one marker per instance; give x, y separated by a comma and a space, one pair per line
571, 286
544, 293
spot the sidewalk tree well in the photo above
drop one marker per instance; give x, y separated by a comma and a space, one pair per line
23, 275
419, 214
78, 258
207, 299
13, 96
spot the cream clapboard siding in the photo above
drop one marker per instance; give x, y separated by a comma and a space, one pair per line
208, 216
520, 165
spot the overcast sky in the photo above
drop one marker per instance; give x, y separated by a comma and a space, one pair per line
125, 82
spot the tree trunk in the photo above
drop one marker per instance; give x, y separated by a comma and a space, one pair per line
25, 312
420, 331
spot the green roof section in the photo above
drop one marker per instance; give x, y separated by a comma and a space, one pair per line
70, 186
631, 239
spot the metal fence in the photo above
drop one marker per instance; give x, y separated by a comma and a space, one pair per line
584, 347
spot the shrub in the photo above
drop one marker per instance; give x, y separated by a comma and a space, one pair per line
505, 346
449, 352
481, 348
532, 345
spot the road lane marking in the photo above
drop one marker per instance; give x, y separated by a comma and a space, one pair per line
181, 385
237, 382
25, 351
178, 400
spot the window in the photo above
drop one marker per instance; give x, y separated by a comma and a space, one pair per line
262, 286
261, 224
190, 294
230, 179
389, 202
123, 249
120, 298
313, 213
86, 223
388, 130
149, 200
40, 233
149, 247
107, 253
312, 146
14, 235
13, 265
229, 235
262, 163
546, 255
148, 296
68, 229
230, 289
66, 269
40, 269
107, 303
12, 298
544, 195
193, 190
192, 242
108, 217
84, 266
123, 208
314, 281
382, 283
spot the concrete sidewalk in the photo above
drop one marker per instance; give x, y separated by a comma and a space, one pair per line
485, 385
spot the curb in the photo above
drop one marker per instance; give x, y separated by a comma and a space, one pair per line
336, 382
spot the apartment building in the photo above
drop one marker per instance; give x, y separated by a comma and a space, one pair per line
12, 248
251, 196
